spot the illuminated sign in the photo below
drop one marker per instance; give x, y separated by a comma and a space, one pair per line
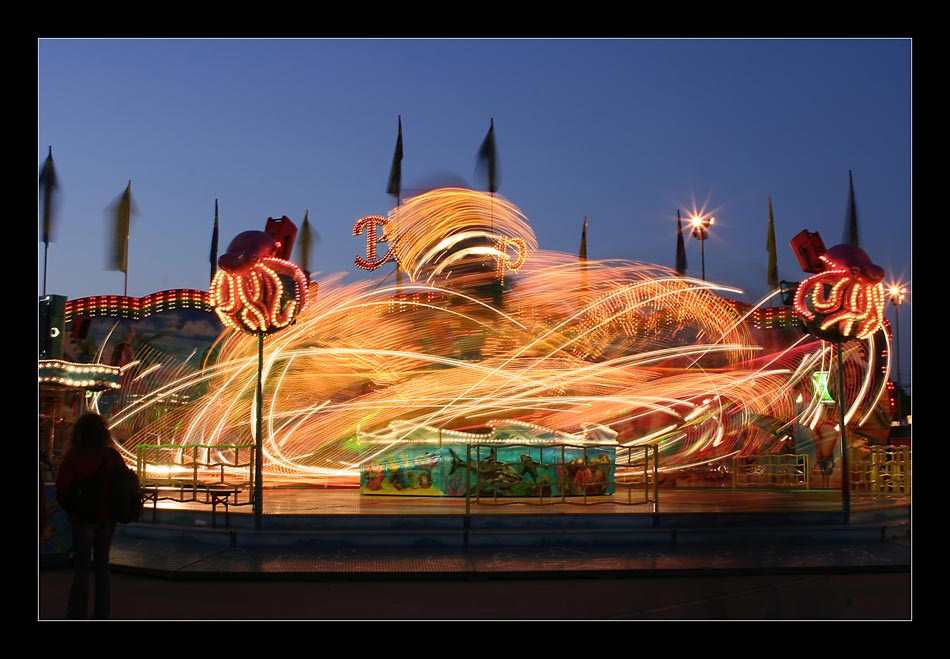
504, 261
255, 291
846, 300
370, 222
820, 381
257, 301
92, 377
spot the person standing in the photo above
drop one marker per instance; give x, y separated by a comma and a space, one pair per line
91, 451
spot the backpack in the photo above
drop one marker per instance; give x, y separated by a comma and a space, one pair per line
125, 493
82, 500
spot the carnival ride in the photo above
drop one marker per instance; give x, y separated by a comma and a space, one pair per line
490, 339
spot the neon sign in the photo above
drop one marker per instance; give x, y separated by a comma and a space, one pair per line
504, 261
846, 299
370, 222
255, 291
820, 381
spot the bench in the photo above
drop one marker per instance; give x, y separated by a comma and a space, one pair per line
214, 495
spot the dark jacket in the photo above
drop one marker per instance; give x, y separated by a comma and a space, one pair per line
81, 463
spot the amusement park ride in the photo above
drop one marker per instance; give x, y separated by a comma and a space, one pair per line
494, 361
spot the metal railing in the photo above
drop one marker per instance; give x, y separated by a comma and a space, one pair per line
192, 465
771, 470
874, 470
881, 470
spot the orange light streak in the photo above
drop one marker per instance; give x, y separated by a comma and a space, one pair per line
611, 349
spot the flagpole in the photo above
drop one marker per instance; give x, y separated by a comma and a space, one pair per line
583, 262
45, 265
680, 246
394, 187
125, 291
396, 254
488, 155
772, 274
123, 229
214, 243
48, 185
852, 227
128, 230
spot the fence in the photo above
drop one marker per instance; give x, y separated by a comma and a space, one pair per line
195, 465
875, 470
880, 470
771, 470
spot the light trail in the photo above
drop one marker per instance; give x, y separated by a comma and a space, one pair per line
577, 350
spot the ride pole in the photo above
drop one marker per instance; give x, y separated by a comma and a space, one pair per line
845, 451
259, 439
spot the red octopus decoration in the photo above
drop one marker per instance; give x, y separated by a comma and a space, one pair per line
846, 299
255, 290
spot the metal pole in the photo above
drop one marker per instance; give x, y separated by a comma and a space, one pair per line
656, 478
702, 254
259, 439
468, 481
897, 336
45, 265
845, 451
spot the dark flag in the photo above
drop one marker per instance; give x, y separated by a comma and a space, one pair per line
680, 246
214, 242
851, 232
488, 158
307, 237
122, 219
773, 255
48, 186
395, 172
583, 259
583, 253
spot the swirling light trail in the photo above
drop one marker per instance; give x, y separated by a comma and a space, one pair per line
604, 349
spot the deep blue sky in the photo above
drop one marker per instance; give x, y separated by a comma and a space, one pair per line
624, 132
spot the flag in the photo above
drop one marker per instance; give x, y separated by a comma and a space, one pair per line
488, 158
680, 246
119, 258
395, 172
214, 242
851, 230
306, 239
583, 254
583, 259
773, 256
48, 185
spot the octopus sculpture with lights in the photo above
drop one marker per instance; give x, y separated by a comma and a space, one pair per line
846, 299
255, 290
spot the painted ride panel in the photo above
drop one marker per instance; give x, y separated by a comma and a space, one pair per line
424, 469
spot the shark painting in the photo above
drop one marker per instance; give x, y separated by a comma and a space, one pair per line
489, 473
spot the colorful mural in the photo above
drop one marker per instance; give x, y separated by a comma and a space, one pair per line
491, 470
